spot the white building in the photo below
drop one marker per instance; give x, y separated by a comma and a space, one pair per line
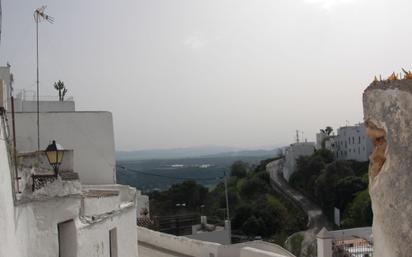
90, 134
46, 215
356, 242
293, 152
352, 143
321, 139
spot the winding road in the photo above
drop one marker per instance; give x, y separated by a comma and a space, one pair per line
316, 219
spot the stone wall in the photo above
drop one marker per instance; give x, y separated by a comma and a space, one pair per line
388, 117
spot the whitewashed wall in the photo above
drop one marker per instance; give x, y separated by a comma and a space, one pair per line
253, 252
180, 245
293, 152
8, 237
44, 106
36, 224
93, 240
89, 134
142, 203
220, 236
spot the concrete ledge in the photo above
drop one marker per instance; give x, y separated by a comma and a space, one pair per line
252, 252
176, 244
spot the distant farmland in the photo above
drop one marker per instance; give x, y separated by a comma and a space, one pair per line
148, 175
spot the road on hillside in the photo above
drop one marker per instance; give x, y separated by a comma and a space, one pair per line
315, 215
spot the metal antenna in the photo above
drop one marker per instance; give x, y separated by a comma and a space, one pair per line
39, 16
1, 15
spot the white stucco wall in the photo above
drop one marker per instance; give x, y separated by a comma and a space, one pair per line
36, 224
253, 252
93, 240
6, 76
182, 245
44, 106
293, 152
142, 204
234, 250
8, 215
220, 236
89, 134
353, 144
97, 205
319, 139
29, 226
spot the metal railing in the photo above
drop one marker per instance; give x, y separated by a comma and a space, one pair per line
352, 248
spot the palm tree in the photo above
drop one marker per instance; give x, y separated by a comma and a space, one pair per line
59, 85
327, 131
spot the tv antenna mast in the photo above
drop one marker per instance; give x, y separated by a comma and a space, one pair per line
39, 16
297, 136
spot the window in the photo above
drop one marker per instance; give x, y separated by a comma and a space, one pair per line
113, 242
359, 140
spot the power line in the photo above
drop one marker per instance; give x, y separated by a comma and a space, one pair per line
165, 176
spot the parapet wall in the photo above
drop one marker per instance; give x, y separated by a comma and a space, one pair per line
184, 246
155, 244
388, 117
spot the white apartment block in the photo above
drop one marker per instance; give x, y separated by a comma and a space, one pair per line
352, 143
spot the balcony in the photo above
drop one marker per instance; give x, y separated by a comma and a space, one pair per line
38, 180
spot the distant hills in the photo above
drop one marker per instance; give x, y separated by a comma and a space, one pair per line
193, 152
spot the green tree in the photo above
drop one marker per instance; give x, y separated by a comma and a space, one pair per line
346, 190
239, 169
359, 213
253, 186
326, 183
253, 226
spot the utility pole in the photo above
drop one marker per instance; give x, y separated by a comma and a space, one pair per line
297, 136
227, 199
39, 15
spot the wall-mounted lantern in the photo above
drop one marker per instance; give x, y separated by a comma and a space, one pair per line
54, 153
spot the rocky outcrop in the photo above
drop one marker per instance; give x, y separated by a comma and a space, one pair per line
388, 117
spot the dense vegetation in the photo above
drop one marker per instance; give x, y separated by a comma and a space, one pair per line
159, 174
255, 209
340, 184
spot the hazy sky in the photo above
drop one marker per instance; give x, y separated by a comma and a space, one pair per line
239, 73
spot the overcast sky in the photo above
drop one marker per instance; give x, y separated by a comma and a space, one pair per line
178, 73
